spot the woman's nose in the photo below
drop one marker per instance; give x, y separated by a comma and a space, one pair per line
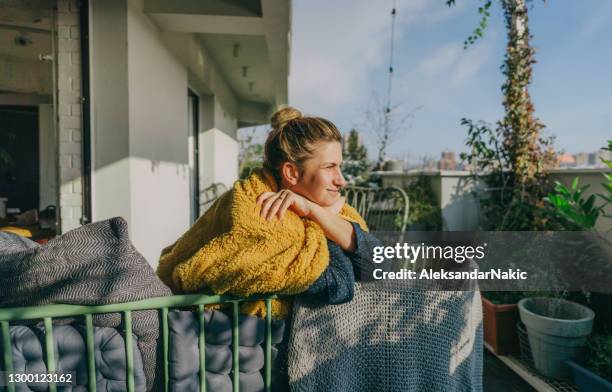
340, 181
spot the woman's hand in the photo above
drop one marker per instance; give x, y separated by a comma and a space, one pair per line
276, 204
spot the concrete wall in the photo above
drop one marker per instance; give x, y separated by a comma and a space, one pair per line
453, 192
460, 210
159, 157
220, 153
218, 146
110, 179
459, 207
140, 128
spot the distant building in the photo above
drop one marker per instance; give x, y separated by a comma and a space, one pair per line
448, 161
581, 159
602, 154
566, 160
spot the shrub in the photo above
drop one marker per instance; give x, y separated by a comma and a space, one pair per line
424, 211
600, 356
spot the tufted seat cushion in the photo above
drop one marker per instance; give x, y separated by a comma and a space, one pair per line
184, 351
70, 356
70, 353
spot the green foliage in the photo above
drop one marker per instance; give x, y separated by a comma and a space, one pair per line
247, 167
512, 158
572, 210
506, 203
512, 297
478, 32
600, 356
424, 211
503, 297
483, 23
355, 165
251, 154
607, 184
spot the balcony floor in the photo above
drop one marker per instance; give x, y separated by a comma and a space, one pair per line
500, 378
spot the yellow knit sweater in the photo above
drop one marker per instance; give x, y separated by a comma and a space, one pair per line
232, 250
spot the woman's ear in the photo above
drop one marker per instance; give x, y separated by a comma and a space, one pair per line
290, 173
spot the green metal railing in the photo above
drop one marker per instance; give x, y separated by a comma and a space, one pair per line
384, 209
163, 304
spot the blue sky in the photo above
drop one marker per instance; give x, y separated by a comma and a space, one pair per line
340, 52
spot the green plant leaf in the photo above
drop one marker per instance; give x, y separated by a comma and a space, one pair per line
575, 183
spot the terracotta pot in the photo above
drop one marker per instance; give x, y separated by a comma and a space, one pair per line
500, 327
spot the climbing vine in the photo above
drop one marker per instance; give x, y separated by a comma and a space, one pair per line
513, 158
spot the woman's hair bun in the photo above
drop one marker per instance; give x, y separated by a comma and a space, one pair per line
283, 116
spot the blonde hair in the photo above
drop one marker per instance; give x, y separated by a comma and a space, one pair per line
293, 138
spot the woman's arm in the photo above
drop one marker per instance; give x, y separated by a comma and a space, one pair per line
336, 229
275, 204
336, 285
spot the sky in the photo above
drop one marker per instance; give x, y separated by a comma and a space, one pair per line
340, 57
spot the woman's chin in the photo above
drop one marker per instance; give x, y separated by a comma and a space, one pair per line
329, 200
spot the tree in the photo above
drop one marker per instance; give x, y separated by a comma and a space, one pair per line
514, 157
386, 123
355, 165
251, 153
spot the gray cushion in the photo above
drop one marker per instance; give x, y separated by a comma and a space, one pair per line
70, 356
184, 351
90, 265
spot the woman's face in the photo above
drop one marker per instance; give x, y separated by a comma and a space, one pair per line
320, 178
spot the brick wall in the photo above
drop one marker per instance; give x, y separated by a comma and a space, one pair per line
69, 113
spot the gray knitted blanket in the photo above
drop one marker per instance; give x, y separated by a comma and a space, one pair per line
389, 339
92, 265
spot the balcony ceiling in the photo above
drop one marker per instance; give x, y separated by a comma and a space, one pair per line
247, 39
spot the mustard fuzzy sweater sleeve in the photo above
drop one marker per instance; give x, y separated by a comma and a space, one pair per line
232, 250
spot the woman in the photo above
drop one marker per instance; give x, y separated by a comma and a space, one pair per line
285, 229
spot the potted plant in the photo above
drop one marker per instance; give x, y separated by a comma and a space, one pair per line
557, 329
500, 316
595, 373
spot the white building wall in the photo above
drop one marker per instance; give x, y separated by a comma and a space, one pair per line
219, 154
218, 145
110, 177
159, 156
140, 149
